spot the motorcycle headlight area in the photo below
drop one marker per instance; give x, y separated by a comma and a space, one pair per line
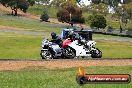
50, 44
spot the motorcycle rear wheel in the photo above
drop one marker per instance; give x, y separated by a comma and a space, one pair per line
69, 53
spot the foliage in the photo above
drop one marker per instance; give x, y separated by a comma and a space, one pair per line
100, 9
126, 1
97, 21
17, 4
109, 29
44, 16
124, 12
129, 28
31, 2
38, 9
112, 3
63, 3
71, 13
59, 3
44, 1
128, 9
96, 1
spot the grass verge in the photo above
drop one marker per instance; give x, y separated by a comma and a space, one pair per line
58, 78
115, 49
109, 36
38, 10
29, 24
16, 46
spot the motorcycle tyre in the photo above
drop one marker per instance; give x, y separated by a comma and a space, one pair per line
67, 56
45, 57
95, 55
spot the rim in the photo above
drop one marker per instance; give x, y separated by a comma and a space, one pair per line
69, 52
46, 55
49, 57
96, 54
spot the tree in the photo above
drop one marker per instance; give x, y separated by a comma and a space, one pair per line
97, 21
96, 1
128, 9
123, 12
108, 2
58, 3
71, 13
17, 4
62, 3
44, 16
43, 1
98, 9
126, 1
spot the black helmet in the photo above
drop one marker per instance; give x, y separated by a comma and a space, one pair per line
53, 34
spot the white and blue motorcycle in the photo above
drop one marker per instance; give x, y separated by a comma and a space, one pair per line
50, 50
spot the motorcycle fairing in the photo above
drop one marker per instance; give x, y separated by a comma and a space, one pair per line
57, 50
80, 51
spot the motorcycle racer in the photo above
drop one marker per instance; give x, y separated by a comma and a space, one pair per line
56, 39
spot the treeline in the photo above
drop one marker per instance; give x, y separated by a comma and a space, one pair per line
23, 5
71, 10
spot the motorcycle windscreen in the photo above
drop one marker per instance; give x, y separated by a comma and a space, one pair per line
65, 33
87, 35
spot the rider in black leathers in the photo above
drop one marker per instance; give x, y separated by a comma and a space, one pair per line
56, 39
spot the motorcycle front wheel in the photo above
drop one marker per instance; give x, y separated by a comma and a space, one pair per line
45, 54
69, 53
96, 53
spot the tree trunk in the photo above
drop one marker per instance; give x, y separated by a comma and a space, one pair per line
120, 29
12, 12
120, 25
15, 12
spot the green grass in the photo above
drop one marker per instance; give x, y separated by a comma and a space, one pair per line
38, 10
109, 36
115, 49
29, 24
58, 78
16, 46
